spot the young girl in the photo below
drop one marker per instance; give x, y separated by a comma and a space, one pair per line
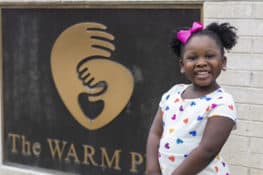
194, 120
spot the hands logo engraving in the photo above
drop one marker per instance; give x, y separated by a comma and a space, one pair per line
93, 88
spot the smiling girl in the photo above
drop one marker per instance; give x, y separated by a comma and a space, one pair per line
194, 120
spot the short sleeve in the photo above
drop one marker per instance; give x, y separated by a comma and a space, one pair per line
167, 95
164, 98
224, 106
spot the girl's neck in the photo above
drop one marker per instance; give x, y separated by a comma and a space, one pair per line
193, 91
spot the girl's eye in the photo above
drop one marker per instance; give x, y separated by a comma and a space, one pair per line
191, 57
209, 56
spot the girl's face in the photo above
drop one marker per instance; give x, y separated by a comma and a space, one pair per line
202, 61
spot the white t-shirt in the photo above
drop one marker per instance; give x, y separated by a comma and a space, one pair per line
184, 121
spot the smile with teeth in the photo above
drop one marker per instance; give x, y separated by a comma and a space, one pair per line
202, 74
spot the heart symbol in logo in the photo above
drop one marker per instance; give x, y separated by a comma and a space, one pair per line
91, 109
93, 88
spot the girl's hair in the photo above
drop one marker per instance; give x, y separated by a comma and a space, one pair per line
224, 35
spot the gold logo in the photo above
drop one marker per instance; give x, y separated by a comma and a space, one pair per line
93, 88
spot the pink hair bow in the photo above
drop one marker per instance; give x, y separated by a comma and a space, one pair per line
184, 35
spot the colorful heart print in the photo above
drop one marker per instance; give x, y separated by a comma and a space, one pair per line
181, 108
216, 169
193, 133
231, 107
193, 103
179, 141
213, 105
171, 130
173, 117
185, 120
199, 118
171, 158
167, 146
176, 100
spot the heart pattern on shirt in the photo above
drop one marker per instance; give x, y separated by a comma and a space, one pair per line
192, 133
216, 168
185, 120
171, 130
179, 121
176, 100
181, 108
231, 107
174, 117
171, 158
199, 118
167, 146
179, 141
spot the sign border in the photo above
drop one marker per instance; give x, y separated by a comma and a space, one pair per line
72, 5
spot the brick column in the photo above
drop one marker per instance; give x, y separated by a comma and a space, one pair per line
244, 80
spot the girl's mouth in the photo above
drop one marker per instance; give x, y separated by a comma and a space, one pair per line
202, 74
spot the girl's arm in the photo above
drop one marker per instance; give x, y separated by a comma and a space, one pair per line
152, 163
215, 135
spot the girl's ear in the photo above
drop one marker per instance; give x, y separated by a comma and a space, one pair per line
224, 63
181, 66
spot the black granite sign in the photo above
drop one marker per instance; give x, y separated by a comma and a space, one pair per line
81, 86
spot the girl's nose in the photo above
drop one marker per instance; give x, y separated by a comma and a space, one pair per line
200, 62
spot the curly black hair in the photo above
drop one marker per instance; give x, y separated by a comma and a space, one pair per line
224, 35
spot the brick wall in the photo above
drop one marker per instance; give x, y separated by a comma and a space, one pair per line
244, 79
